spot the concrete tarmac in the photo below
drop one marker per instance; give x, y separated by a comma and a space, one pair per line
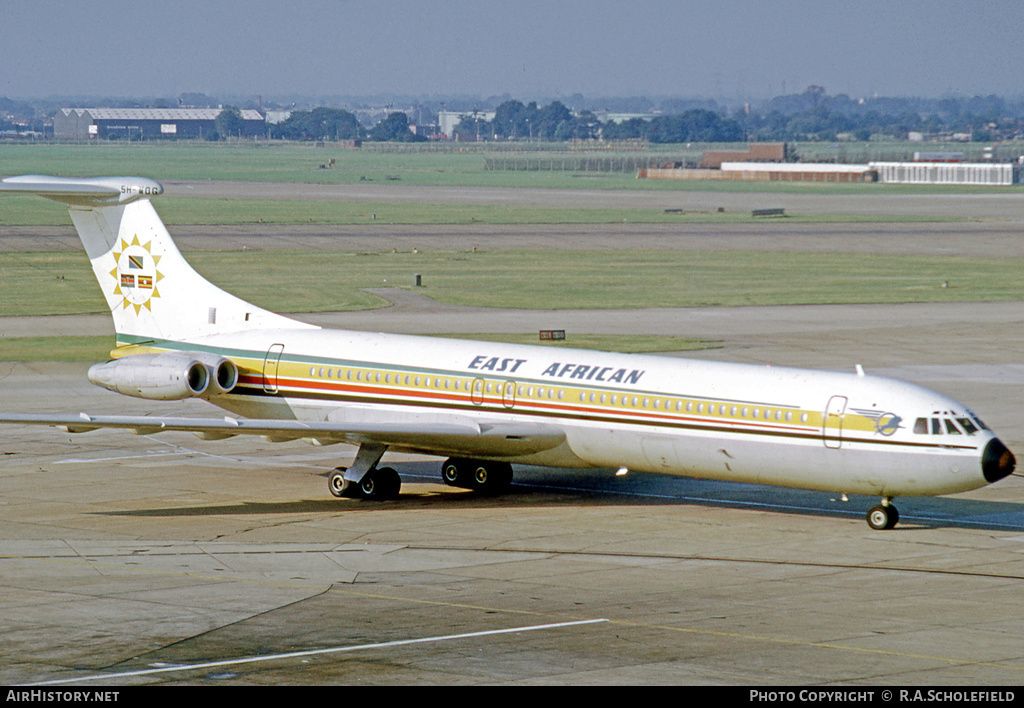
166, 559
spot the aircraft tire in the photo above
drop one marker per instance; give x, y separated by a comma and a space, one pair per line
380, 484
491, 478
453, 471
337, 484
882, 518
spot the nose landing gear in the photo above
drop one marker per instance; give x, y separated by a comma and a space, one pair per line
883, 516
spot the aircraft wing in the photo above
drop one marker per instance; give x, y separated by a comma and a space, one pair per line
501, 439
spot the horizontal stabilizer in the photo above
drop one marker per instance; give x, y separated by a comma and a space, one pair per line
84, 191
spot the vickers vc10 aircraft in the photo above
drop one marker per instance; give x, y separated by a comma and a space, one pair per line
485, 406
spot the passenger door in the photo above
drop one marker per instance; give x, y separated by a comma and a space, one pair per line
832, 425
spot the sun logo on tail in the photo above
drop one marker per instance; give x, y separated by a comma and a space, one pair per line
135, 274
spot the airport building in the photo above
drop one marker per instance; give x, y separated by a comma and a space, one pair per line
148, 123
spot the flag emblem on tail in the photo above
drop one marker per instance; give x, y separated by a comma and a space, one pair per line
135, 274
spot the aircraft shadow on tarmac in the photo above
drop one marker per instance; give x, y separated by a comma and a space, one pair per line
536, 487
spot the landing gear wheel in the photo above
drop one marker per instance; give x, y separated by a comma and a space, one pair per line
453, 472
882, 517
336, 482
491, 478
380, 484
488, 478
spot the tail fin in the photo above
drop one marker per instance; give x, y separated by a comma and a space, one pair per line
152, 291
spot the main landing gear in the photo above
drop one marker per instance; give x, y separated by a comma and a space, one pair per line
482, 476
883, 516
364, 480
377, 484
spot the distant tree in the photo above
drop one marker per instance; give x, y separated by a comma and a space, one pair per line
395, 128
697, 125
585, 126
473, 126
549, 118
320, 124
229, 122
632, 129
511, 120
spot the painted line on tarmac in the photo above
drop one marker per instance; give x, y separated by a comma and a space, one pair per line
317, 652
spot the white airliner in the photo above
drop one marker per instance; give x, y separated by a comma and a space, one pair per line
485, 406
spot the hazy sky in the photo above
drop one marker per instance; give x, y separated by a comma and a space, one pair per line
531, 49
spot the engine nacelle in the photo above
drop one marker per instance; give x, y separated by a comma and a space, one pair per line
223, 372
168, 376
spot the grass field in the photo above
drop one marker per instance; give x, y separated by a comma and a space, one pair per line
96, 349
176, 211
300, 281
301, 163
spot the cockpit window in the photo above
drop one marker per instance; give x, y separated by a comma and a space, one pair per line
967, 425
948, 425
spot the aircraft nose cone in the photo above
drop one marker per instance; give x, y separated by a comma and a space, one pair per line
997, 461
